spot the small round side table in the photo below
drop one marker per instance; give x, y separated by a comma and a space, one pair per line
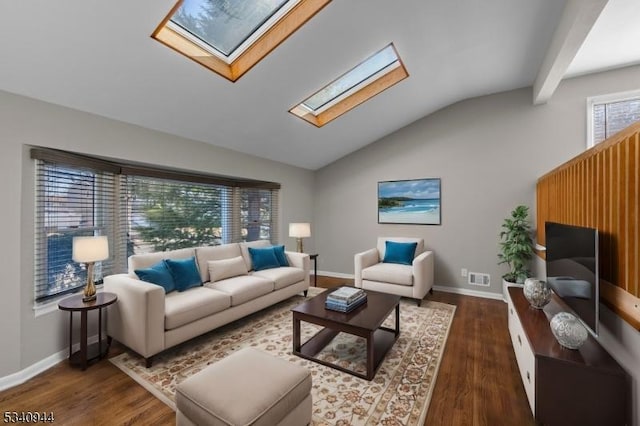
86, 354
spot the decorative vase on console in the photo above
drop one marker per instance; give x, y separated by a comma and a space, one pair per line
568, 330
537, 292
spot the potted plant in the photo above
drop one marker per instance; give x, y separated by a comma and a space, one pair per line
516, 247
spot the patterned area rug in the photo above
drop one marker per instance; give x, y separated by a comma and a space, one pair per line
398, 395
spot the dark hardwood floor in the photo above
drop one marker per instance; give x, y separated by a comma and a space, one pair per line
478, 382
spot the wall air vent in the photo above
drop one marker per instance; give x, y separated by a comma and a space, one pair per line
477, 278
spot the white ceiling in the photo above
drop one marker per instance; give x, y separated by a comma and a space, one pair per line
613, 42
97, 56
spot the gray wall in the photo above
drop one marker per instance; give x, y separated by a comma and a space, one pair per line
23, 122
489, 152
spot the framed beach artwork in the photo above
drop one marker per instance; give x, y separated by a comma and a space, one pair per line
415, 202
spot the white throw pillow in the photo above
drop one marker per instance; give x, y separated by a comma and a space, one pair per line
226, 268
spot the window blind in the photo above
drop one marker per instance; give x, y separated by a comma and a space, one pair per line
259, 214
610, 118
72, 201
140, 209
167, 214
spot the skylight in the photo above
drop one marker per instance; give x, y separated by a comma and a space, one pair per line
230, 37
375, 74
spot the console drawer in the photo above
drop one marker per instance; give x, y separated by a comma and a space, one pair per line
524, 356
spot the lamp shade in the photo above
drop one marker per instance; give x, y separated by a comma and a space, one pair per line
300, 230
90, 249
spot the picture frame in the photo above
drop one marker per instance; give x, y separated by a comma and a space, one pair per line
410, 202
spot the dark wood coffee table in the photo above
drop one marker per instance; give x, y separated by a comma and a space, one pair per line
365, 321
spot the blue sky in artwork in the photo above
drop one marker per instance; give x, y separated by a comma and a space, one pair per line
418, 189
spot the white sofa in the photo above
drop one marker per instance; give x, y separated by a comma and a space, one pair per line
149, 321
414, 280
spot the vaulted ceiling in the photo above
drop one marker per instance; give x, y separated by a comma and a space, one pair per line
98, 56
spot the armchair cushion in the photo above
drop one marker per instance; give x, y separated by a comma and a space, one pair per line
393, 273
402, 253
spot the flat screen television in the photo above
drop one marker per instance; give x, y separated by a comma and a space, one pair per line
572, 269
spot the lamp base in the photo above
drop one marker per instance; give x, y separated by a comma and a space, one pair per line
90, 289
299, 245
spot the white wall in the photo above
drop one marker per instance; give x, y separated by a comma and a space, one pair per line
489, 152
26, 122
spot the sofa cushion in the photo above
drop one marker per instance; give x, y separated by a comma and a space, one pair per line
282, 277
141, 261
226, 268
402, 253
243, 288
185, 273
263, 258
158, 274
205, 254
282, 258
182, 308
244, 248
394, 273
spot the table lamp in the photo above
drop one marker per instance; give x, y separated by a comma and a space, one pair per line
90, 250
300, 231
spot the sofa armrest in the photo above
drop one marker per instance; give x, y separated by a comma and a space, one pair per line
137, 318
364, 260
423, 271
302, 261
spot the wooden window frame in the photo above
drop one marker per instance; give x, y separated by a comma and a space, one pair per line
351, 101
272, 37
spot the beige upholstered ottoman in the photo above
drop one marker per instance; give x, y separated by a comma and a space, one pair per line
249, 387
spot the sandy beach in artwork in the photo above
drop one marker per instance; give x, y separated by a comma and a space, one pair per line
429, 217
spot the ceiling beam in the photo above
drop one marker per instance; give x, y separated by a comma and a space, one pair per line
576, 22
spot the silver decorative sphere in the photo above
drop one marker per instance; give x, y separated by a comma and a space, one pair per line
537, 292
568, 330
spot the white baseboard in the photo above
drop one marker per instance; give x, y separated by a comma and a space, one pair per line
33, 370
446, 289
467, 292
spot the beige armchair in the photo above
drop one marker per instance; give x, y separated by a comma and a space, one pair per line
414, 280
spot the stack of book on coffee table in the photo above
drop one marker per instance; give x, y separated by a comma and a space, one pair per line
345, 299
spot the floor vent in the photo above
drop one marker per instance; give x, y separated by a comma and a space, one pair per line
477, 278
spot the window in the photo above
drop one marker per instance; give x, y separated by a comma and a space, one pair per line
71, 201
165, 214
140, 210
607, 115
375, 74
231, 37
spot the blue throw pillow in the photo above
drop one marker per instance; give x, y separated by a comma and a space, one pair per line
157, 274
402, 253
282, 258
263, 258
185, 273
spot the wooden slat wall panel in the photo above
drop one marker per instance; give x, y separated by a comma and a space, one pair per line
601, 188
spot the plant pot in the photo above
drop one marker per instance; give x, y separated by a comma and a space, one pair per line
537, 292
505, 285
